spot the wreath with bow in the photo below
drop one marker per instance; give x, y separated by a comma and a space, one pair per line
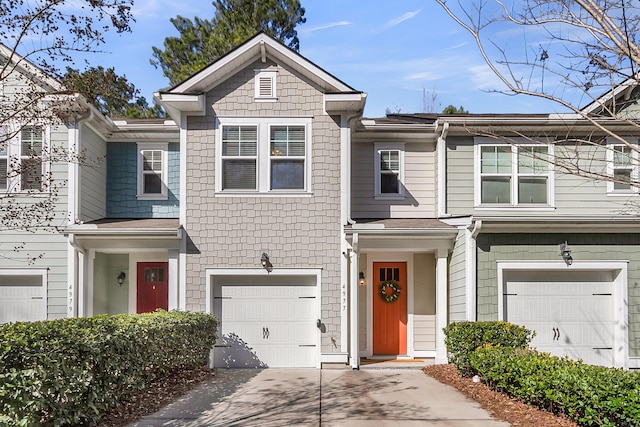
389, 291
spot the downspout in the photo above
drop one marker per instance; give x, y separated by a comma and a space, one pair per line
352, 253
442, 169
76, 255
471, 300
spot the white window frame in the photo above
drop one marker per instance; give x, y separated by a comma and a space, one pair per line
633, 167
164, 149
261, 77
263, 157
514, 176
14, 155
379, 147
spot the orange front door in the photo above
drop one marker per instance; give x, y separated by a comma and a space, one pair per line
390, 309
153, 286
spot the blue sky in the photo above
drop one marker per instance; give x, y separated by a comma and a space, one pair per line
394, 51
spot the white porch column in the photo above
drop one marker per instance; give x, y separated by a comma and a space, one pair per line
441, 304
173, 279
354, 347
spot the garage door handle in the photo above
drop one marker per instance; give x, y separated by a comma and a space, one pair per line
265, 333
306, 345
36, 298
556, 334
602, 348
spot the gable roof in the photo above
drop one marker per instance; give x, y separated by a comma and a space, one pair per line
188, 96
31, 69
260, 46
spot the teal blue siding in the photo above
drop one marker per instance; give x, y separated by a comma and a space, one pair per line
528, 247
122, 182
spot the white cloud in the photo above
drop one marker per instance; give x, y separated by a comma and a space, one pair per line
325, 27
456, 46
168, 8
401, 19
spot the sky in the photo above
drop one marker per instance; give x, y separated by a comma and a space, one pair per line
409, 56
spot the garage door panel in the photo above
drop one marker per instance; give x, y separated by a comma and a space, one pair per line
265, 325
571, 318
22, 298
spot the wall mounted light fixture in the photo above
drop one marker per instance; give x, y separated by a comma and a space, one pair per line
565, 252
264, 260
361, 280
121, 278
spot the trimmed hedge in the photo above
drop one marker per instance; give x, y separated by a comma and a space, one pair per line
463, 338
589, 395
72, 371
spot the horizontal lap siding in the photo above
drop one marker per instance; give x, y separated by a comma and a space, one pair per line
424, 302
457, 279
420, 186
44, 249
573, 195
93, 176
526, 247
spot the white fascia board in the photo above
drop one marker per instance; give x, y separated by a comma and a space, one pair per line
344, 101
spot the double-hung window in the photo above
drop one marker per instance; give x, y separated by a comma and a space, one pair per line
152, 171
389, 170
288, 151
514, 175
622, 161
23, 160
263, 156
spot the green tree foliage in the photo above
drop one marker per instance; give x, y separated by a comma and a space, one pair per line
450, 109
111, 93
201, 41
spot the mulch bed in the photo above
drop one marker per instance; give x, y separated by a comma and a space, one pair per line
156, 396
497, 404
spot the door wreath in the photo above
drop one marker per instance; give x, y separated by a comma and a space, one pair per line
389, 290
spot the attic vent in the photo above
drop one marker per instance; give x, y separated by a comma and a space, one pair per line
265, 85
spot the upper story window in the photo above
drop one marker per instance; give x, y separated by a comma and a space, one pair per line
389, 170
23, 163
622, 164
263, 156
265, 85
514, 175
152, 171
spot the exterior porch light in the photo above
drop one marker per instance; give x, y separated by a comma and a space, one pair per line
121, 278
565, 252
361, 280
264, 260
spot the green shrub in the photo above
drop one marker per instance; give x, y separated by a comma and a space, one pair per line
463, 338
589, 395
71, 371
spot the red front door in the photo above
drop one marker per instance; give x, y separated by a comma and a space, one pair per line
153, 286
389, 308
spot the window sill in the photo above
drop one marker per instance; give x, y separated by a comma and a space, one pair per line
24, 193
389, 197
265, 194
266, 99
531, 208
152, 197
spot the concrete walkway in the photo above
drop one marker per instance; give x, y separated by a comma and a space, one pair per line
311, 397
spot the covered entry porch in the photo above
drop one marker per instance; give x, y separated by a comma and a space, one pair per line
399, 278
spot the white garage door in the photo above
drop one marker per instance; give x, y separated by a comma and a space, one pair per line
22, 298
572, 318
265, 325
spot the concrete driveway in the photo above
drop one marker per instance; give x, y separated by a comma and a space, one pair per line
311, 397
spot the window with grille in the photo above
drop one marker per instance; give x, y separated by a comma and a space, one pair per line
152, 171
263, 156
389, 170
623, 167
514, 175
